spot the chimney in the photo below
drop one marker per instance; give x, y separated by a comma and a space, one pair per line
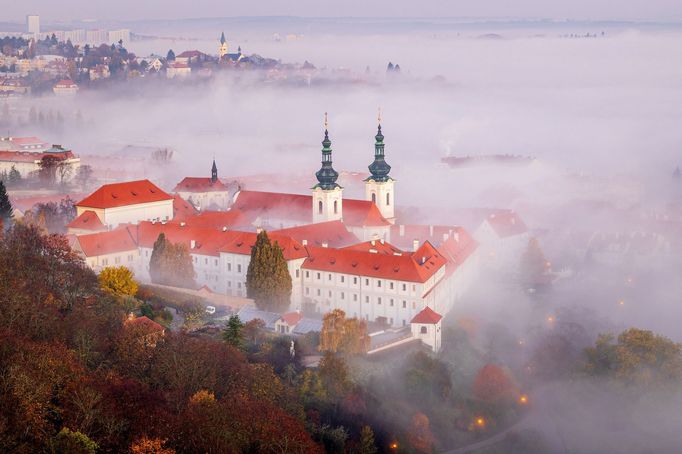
423, 259
304, 242
224, 228
430, 231
401, 228
415, 245
373, 242
325, 245
382, 241
258, 230
192, 244
182, 224
455, 236
446, 236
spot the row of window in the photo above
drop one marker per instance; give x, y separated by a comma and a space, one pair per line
355, 296
391, 284
117, 260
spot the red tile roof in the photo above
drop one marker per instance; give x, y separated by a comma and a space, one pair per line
199, 184
427, 316
145, 322
122, 194
415, 267
458, 248
362, 213
296, 207
218, 219
26, 141
182, 209
375, 247
299, 208
292, 318
243, 241
333, 233
32, 156
506, 223
103, 243
190, 54
88, 220
206, 241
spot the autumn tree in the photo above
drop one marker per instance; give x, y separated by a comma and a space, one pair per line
233, 332
334, 375
419, 434
118, 281
636, 356
268, 281
6, 210
74, 442
343, 335
494, 384
146, 445
171, 264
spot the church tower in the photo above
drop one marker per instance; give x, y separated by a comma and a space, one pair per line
327, 194
214, 173
222, 49
379, 186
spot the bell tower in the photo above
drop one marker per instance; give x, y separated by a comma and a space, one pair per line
222, 49
327, 194
379, 186
214, 173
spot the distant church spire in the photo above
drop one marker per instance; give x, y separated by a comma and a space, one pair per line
379, 169
222, 38
327, 176
214, 172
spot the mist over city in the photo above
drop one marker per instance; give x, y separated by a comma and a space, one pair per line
341, 228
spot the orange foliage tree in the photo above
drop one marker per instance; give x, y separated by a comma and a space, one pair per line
419, 434
494, 384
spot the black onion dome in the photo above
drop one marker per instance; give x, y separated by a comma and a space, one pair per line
327, 176
379, 169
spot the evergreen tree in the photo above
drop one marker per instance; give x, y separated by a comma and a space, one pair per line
6, 210
232, 333
268, 281
170, 56
367, 445
14, 177
171, 264
158, 252
534, 265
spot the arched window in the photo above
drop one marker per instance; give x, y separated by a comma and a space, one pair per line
388, 199
336, 207
319, 207
374, 198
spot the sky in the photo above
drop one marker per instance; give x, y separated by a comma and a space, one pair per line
660, 10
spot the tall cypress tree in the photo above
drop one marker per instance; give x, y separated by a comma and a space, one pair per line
6, 210
155, 267
268, 281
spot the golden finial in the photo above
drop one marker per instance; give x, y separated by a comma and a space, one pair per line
326, 121
379, 116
